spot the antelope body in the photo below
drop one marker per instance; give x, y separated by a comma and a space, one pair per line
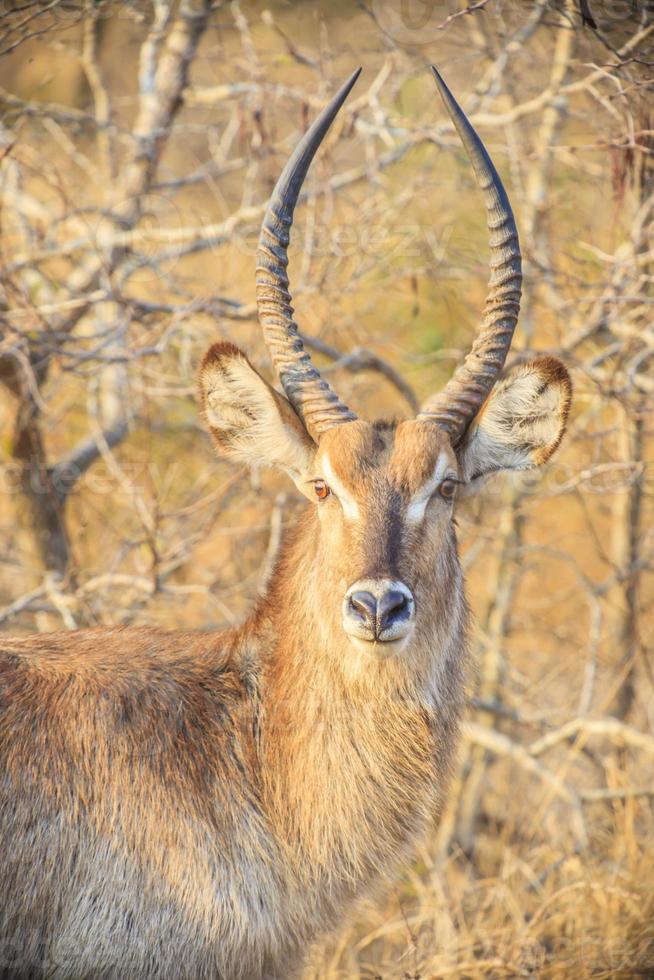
204, 805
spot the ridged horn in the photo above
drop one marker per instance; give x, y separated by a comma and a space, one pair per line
455, 406
313, 399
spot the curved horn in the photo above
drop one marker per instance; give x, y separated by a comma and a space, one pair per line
455, 407
317, 405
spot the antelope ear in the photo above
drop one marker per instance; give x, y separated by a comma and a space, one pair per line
521, 422
248, 420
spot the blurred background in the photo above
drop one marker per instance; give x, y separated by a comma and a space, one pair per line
138, 145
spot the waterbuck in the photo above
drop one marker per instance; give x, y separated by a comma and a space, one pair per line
203, 805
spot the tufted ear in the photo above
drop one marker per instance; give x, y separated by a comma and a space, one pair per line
521, 422
248, 420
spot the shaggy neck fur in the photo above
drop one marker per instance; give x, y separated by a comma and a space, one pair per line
356, 749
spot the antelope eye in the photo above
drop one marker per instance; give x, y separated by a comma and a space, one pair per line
447, 489
322, 490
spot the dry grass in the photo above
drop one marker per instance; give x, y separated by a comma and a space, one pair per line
525, 903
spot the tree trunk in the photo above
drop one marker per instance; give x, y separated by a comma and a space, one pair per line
40, 509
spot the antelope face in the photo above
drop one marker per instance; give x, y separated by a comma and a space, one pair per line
384, 492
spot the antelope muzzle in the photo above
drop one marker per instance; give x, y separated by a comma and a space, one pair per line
378, 611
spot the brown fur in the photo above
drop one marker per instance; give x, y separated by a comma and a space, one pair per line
224, 795
203, 805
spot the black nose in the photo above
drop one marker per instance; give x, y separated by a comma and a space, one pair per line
391, 607
378, 614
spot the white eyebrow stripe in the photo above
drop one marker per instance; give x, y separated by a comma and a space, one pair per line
350, 506
416, 509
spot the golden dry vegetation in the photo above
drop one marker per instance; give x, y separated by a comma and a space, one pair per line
130, 210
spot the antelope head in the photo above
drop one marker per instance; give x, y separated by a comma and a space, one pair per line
384, 492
